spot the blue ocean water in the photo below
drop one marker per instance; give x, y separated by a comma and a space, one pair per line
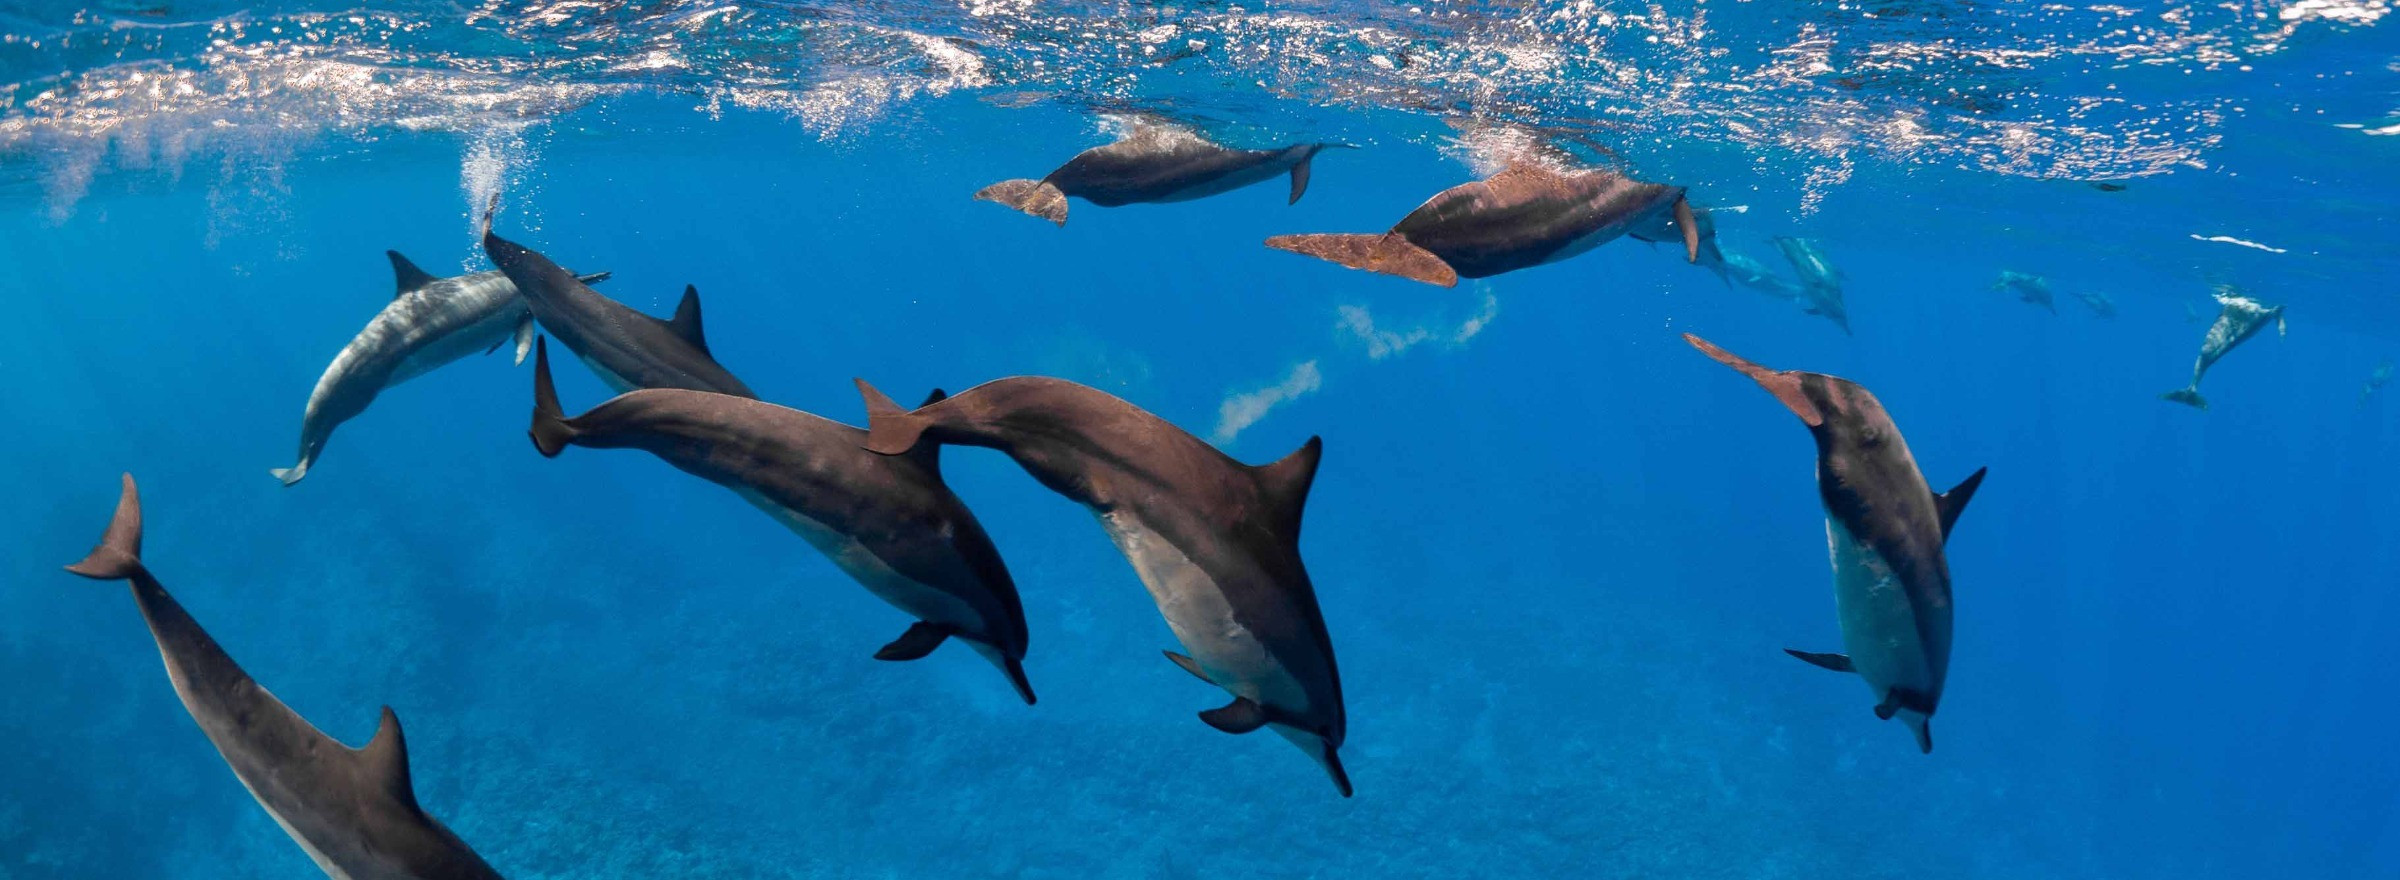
1558, 551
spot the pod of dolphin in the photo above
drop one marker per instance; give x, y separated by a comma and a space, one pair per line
1214, 541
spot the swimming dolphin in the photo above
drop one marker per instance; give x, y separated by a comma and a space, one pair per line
354, 811
2099, 302
1155, 162
2033, 289
1666, 226
626, 348
2380, 377
1216, 542
1524, 216
1746, 271
430, 322
1886, 528
889, 522
1820, 282
2242, 318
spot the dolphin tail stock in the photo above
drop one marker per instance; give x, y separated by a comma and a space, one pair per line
1385, 252
2188, 396
1039, 198
119, 555
551, 431
1784, 385
890, 429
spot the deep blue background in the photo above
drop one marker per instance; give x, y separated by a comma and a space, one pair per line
1558, 559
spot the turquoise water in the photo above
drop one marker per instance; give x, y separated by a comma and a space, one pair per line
1558, 551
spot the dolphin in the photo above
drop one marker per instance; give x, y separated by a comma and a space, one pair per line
1216, 542
1886, 528
1664, 226
2376, 380
2241, 319
890, 523
2100, 304
1820, 282
1747, 271
1155, 162
1526, 215
430, 322
354, 811
626, 348
2029, 288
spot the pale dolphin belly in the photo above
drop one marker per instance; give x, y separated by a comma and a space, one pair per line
1879, 622
1203, 621
896, 589
607, 376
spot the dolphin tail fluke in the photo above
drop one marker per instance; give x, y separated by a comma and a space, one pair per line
119, 555
524, 339
1386, 253
1243, 715
551, 433
1784, 385
291, 474
890, 429
1037, 197
2187, 396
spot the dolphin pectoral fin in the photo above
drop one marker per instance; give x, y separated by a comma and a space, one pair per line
1835, 662
1243, 715
1889, 707
1388, 253
594, 278
1189, 665
1300, 178
1691, 229
524, 338
920, 640
1951, 503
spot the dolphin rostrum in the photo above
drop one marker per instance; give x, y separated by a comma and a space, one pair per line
2028, 288
430, 322
354, 811
2242, 318
1155, 162
1886, 528
888, 522
1216, 542
1526, 215
626, 348
1820, 282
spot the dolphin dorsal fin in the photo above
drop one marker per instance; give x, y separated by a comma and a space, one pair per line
1285, 483
686, 322
1950, 503
406, 276
386, 760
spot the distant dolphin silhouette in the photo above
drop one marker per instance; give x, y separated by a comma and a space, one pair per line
1216, 542
1886, 528
2375, 380
1524, 216
430, 322
2241, 319
625, 348
1155, 162
2029, 288
354, 811
1820, 282
2099, 303
890, 523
